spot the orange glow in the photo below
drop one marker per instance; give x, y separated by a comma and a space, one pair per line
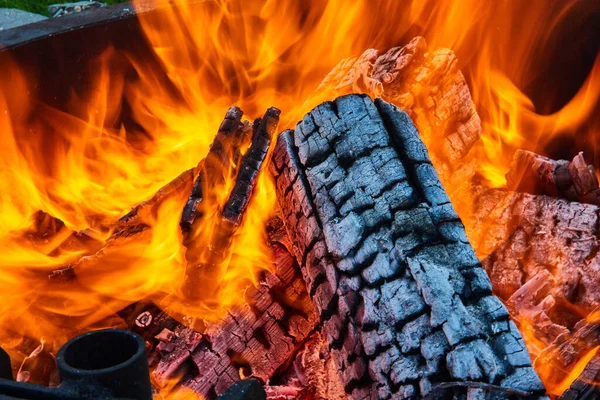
557, 388
86, 168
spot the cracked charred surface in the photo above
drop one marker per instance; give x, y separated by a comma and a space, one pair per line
255, 339
403, 301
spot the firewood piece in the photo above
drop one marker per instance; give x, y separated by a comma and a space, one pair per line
536, 174
559, 359
205, 260
402, 298
587, 385
523, 234
529, 307
250, 167
256, 338
216, 166
427, 84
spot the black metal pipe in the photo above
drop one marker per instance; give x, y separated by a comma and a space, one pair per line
109, 359
104, 364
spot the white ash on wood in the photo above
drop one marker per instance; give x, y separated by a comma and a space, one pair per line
403, 301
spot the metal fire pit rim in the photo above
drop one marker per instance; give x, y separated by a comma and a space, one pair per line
24, 34
63, 364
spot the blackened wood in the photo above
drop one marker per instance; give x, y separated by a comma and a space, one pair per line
216, 166
403, 300
205, 258
255, 339
536, 174
250, 167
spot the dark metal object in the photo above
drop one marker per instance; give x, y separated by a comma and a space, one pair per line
105, 364
248, 389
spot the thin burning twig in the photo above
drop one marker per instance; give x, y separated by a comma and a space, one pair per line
218, 164
206, 259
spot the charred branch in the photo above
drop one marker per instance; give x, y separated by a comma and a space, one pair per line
250, 167
205, 261
216, 167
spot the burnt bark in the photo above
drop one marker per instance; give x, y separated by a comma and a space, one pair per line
403, 301
573, 180
255, 339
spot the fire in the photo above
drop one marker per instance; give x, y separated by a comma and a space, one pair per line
84, 167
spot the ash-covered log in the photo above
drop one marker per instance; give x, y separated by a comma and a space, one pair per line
536, 174
403, 301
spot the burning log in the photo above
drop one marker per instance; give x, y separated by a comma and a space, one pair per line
403, 301
536, 174
426, 84
523, 235
255, 339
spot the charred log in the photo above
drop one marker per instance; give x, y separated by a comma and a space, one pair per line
255, 339
403, 301
574, 180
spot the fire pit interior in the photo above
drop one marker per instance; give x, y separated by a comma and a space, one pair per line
313, 200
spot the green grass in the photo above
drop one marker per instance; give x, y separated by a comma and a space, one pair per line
40, 6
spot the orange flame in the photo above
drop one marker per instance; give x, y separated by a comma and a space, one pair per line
86, 169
